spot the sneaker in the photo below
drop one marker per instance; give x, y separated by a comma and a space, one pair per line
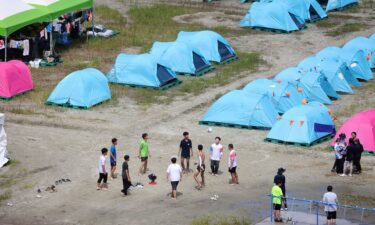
350, 175
216, 175
286, 209
342, 175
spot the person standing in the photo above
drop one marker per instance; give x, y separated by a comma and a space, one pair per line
113, 158
348, 165
353, 136
201, 167
357, 152
216, 152
279, 177
174, 175
103, 175
144, 153
126, 181
339, 162
330, 198
185, 152
277, 195
232, 164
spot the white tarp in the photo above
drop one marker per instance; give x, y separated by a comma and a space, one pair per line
3, 143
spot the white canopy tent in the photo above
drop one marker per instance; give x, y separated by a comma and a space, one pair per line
3, 143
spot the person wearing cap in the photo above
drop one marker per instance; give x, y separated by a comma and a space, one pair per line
279, 177
174, 175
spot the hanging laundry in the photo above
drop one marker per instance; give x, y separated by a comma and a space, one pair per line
2, 44
26, 47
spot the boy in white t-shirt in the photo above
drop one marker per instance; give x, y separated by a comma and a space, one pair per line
103, 175
232, 164
174, 174
216, 152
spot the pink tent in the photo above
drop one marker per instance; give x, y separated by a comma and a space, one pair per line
364, 124
15, 78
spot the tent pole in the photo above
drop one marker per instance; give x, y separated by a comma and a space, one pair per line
93, 21
51, 41
5, 50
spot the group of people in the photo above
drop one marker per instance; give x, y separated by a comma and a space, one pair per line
174, 170
347, 155
279, 201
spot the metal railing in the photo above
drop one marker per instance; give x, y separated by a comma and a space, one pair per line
316, 204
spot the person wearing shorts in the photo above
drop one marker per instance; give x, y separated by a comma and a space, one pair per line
200, 168
103, 175
113, 158
144, 153
330, 198
185, 152
232, 164
174, 174
277, 195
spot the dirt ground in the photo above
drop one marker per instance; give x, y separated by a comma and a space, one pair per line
66, 145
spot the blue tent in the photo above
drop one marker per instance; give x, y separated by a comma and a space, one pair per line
309, 10
211, 45
365, 44
354, 59
313, 85
331, 5
335, 54
272, 16
320, 106
332, 70
372, 37
283, 95
140, 70
241, 108
82, 88
180, 57
302, 124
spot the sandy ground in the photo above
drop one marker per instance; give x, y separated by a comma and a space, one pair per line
66, 145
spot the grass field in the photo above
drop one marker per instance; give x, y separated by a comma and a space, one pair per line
139, 31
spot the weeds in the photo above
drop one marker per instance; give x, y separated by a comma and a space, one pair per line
347, 28
5, 196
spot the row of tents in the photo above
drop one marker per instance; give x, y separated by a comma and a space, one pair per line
192, 53
289, 15
291, 104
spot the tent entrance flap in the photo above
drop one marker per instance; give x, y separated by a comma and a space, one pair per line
323, 3
324, 128
199, 63
313, 14
296, 21
164, 75
224, 51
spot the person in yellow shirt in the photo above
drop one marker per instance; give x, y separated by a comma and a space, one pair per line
277, 195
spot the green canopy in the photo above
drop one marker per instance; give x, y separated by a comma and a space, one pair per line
15, 14
57, 8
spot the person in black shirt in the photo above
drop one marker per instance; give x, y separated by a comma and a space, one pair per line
348, 165
279, 177
357, 152
185, 152
126, 181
